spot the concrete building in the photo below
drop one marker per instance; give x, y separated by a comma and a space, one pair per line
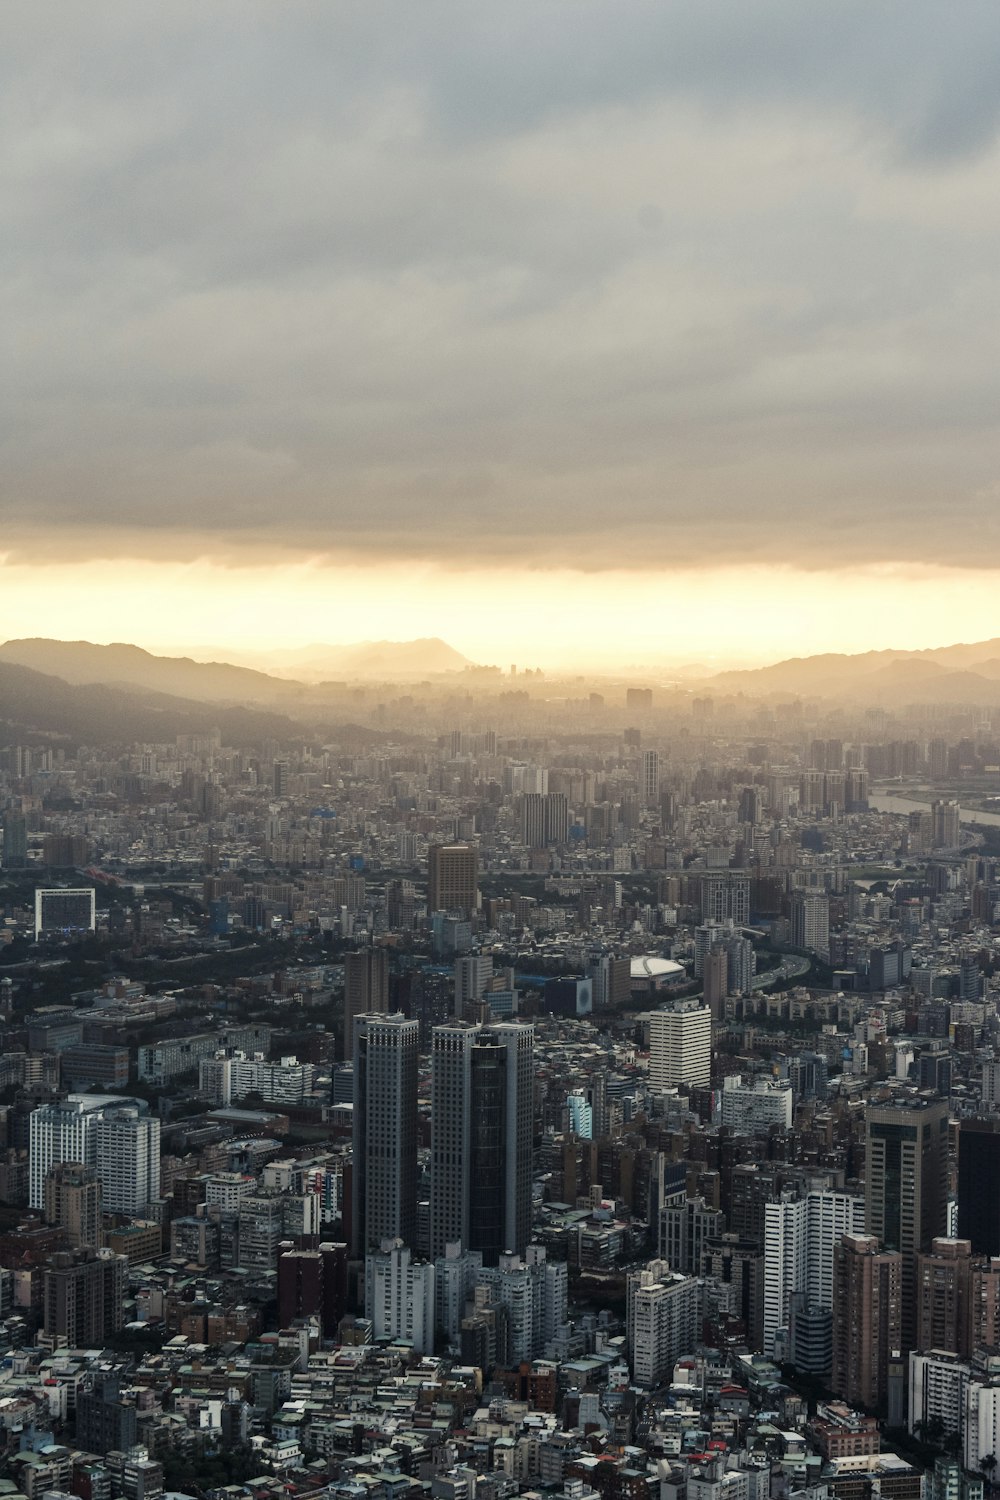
73, 1201
399, 1296
661, 1321
680, 1045
384, 1177
867, 1291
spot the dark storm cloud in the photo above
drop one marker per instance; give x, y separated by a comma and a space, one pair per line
553, 281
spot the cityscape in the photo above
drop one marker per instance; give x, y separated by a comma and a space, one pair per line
498, 1084
499, 750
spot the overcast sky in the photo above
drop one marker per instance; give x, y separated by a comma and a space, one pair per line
540, 281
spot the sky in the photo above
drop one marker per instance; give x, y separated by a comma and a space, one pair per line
568, 330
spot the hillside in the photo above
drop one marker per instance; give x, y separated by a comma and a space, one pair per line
81, 663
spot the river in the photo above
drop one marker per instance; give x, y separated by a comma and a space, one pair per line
890, 803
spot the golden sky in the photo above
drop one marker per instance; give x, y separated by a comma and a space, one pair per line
548, 618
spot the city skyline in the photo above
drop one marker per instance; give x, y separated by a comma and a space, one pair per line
681, 327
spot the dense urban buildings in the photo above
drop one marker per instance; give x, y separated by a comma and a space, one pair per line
618, 1073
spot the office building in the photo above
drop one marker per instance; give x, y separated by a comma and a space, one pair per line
612, 981
946, 818
867, 1290
680, 1045
384, 1176
65, 913
481, 1124
650, 782
15, 841
73, 1201
128, 1157
453, 878
366, 988
473, 977
979, 1180
725, 897
906, 1185
83, 1296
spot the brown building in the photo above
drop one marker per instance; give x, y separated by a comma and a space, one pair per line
73, 1201
867, 1289
366, 989
944, 1302
452, 878
313, 1283
83, 1295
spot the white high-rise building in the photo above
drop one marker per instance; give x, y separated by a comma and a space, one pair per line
399, 1296
662, 1321
456, 1273
754, 1109
680, 1045
473, 977
115, 1135
128, 1158
800, 1234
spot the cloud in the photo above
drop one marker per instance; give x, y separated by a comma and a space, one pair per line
537, 284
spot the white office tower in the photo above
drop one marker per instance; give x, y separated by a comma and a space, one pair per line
481, 1120
128, 1158
399, 1296
384, 1176
473, 977
662, 1321
680, 1045
70, 1130
456, 1273
800, 1235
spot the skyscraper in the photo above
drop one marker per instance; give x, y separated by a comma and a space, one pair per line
114, 1135
452, 878
650, 777
482, 1078
384, 1177
128, 1157
366, 988
680, 1044
867, 1286
906, 1185
73, 1201
979, 1184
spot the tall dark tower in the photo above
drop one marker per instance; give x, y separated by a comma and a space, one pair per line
384, 1173
979, 1184
906, 1185
481, 1116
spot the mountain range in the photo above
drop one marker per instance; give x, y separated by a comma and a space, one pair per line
965, 673
81, 663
